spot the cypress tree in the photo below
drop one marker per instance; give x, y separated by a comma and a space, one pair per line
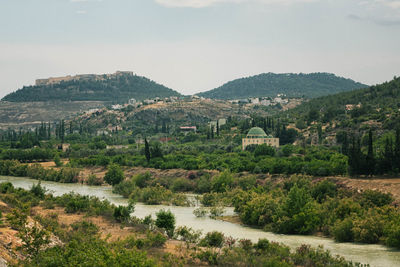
397, 151
345, 145
388, 156
265, 125
370, 160
146, 150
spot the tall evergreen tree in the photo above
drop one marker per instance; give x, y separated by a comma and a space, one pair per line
345, 145
397, 151
146, 150
370, 159
388, 156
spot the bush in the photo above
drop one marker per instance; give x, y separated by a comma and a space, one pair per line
264, 150
94, 180
216, 212
38, 190
123, 213
182, 185
125, 188
375, 198
393, 235
141, 180
323, 189
200, 212
213, 239
114, 175
342, 231
368, 230
222, 182
166, 220
262, 244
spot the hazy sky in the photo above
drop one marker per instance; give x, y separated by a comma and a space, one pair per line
197, 45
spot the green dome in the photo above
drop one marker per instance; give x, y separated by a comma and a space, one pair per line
256, 132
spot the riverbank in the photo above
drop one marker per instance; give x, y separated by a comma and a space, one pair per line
381, 184
375, 255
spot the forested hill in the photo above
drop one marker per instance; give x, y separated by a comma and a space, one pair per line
116, 88
293, 85
379, 103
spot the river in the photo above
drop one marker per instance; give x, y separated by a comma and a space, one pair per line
375, 255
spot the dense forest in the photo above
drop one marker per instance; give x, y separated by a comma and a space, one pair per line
115, 89
293, 85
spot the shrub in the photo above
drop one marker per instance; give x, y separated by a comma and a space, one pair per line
187, 234
200, 212
155, 239
94, 180
123, 213
264, 150
216, 212
213, 239
375, 198
125, 188
141, 180
38, 190
368, 230
114, 174
182, 185
57, 160
393, 235
342, 231
166, 220
323, 189
262, 244
222, 182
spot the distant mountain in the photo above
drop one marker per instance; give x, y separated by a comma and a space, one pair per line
293, 85
118, 87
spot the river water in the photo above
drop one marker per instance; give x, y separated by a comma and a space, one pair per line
375, 255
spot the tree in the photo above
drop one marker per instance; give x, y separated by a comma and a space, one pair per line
397, 150
57, 160
345, 144
166, 220
114, 174
155, 150
123, 213
264, 150
370, 160
147, 150
313, 115
33, 239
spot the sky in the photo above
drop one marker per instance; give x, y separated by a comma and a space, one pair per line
197, 45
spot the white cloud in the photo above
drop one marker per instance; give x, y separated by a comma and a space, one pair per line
206, 3
81, 12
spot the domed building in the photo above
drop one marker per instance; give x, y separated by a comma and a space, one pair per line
257, 136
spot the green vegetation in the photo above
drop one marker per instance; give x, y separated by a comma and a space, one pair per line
300, 207
292, 85
166, 220
82, 244
114, 175
114, 89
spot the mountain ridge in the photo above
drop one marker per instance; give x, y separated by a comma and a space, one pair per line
118, 87
291, 84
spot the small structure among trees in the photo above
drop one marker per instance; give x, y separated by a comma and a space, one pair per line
257, 136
